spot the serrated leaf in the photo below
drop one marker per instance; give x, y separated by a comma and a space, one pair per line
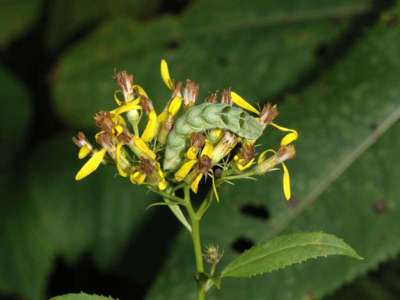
284, 251
348, 145
257, 43
80, 296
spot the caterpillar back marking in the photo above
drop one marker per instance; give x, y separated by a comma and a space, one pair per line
204, 117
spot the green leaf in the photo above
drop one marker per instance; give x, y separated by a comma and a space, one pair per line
69, 17
16, 16
344, 169
48, 214
284, 251
15, 124
80, 296
265, 38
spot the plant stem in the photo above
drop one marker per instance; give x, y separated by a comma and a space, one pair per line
196, 239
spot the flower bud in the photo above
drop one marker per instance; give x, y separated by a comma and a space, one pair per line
82, 142
190, 93
125, 80
268, 114
265, 165
212, 255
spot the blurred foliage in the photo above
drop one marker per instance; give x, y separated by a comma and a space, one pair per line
334, 70
16, 17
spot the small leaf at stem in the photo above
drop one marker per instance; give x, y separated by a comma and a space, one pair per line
80, 296
176, 210
286, 250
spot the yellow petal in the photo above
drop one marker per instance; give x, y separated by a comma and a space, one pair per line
143, 149
191, 153
242, 167
138, 177
126, 107
84, 151
165, 74
184, 170
91, 165
117, 130
162, 185
239, 101
288, 138
207, 149
261, 157
286, 182
195, 184
118, 157
215, 135
175, 105
140, 90
162, 117
151, 129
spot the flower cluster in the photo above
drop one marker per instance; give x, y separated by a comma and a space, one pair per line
137, 147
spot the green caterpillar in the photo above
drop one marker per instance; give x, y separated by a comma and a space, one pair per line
204, 117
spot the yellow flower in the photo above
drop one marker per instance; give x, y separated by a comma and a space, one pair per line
152, 127
184, 170
264, 165
121, 161
239, 101
165, 74
91, 165
195, 184
175, 105
207, 149
127, 107
140, 148
288, 138
215, 135
286, 182
138, 177
84, 151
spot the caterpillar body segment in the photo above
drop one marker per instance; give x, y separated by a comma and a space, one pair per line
204, 117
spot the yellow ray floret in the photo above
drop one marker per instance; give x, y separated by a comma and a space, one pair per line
84, 151
119, 156
184, 170
151, 129
195, 184
165, 74
207, 149
239, 163
140, 90
288, 138
191, 153
127, 107
142, 148
138, 177
239, 101
91, 165
175, 105
286, 182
